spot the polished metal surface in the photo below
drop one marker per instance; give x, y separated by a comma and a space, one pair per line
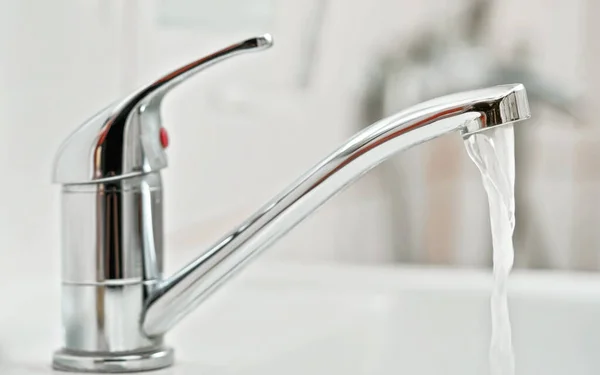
112, 229
116, 303
112, 258
122, 140
66, 360
95, 318
466, 113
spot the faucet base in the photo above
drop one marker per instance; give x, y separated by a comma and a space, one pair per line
67, 360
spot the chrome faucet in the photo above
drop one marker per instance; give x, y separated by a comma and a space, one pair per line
116, 304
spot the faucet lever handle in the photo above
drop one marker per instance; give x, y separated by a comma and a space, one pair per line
156, 90
125, 139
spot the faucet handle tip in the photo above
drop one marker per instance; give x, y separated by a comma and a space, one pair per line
264, 41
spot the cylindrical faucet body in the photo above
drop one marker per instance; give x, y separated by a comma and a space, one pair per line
104, 289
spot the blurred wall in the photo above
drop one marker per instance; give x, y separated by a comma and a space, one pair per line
244, 130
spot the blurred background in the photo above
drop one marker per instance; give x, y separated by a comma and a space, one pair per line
242, 131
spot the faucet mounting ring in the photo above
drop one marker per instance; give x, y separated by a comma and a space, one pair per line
66, 360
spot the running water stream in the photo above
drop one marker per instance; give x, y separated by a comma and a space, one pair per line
493, 153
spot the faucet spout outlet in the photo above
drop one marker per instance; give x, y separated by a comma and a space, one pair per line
116, 303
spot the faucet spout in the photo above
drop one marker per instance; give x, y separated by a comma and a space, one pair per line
465, 113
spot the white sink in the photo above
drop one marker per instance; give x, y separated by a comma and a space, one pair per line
284, 319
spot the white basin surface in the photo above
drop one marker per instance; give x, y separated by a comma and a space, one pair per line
337, 319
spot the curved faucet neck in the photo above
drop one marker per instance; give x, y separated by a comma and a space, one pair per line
467, 112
